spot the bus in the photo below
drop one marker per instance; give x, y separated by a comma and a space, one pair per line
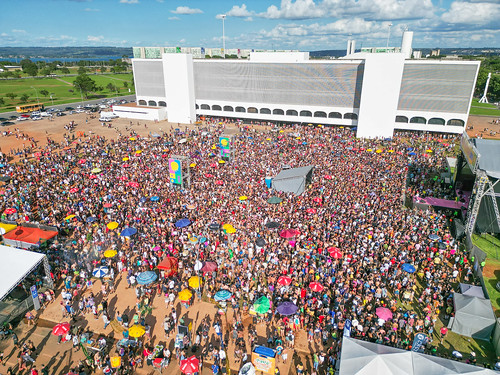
29, 107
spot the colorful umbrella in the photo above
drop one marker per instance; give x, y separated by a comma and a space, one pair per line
222, 295
284, 280
136, 330
110, 253
287, 308
194, 282
100, 271
69, 217
316, 287
146, 277
262, 305
383, 313
185, 295
190, 365
407, 267
61, 329
112, 225
128, 232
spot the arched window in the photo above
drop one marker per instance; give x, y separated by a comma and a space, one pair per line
162, 104
142, 102
418, 120
402, 119
152, 103
291, 112
319, 114
205, 106
436, 121
350, 116
278, 112
456, 122
240, 109
306, 113
335, 115
252, 110
197, 106
265, 111
228, 108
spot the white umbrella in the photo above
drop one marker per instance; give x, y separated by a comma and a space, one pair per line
183, 140
198, 265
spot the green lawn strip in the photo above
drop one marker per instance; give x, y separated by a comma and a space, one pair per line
486, 244
484, 111
475, 103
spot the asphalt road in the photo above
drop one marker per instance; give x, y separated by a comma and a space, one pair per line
74, 105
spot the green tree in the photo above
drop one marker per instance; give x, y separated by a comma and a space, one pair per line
84, 83
24, 98
110, 87
44, 92
30, 69
103, 69
82, 70
45, 71
125, 84
65, 70
11, 95
2, 101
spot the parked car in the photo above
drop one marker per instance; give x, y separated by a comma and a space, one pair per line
21, 118
7, 123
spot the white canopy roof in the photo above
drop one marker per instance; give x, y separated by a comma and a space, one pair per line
15, 265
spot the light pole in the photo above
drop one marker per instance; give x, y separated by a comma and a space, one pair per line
52, 98
223, 16
388, 35
36, 91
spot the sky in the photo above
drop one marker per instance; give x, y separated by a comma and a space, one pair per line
306, 25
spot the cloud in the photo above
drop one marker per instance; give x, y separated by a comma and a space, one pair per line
186, 10
477, 13
248, 19
19, 31
129, 1
91, 38
91, 10
295, 10
174, 18
239, 11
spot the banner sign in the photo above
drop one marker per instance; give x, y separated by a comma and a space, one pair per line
469, 151
347, 328
174, 167
264, 359
225, 146
34, 295
418, 342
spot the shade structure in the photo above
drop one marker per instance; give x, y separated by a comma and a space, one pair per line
146, 277
222, 295
316, 287
112, 225
194, 282
136, 331
110, 253
293, 180
128, 232
284, 280
383, 313
209, 267
274, 200
474, 317
471, 290
272, 224
190, 365
61, 329
182, 223
185, 295
287, 308
407, 267
260, 242
100, 271
335, 253
289, 233
262, 305
169, 265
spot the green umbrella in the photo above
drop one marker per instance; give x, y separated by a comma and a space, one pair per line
274, 200
262, 305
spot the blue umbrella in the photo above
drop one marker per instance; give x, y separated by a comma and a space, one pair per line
287, 308
407, 267
127, 232
155, 199
100, 271
412, 153
203, 239
222, 295
182, 223
434, 237
410, 148
143, 199
90, 219
146, 278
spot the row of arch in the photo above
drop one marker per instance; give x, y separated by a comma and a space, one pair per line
152, 103
277, 111
432, 121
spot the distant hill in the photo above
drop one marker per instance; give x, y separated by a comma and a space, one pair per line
66, 52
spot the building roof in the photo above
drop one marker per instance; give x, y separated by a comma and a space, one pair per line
489, 155
16, 264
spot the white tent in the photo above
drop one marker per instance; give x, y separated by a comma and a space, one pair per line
15, 265
471, 290
293, 180
474, 317
366, 358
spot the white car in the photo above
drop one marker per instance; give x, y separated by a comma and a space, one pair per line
105, 119
45, 114
36, 118
108, 115
21, 118
79, 110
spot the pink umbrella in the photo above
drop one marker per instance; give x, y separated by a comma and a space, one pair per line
316, 287
126, 165
289, 233
328, 177
383, 313
208, 175
334, 253
82, 161
219, 182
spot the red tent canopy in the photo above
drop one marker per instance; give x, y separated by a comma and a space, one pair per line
169, 265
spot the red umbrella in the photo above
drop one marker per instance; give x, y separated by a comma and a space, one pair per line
317, 200
73, 190
316, 287
208, 175
82, 161
133, 184
209, 267
10, 211
311, 210
284, 280
61, 329
190, 365
123, 178
289, 233
219, 182
334, 253
126, 165
328, 177
92, 176
169, 265
107, 205
213, 165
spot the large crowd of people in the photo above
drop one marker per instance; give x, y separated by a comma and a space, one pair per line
349, 232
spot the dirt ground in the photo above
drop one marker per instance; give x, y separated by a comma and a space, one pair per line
483, 126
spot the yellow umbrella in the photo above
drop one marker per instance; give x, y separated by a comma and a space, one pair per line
96, 170
282, 131
391, 151
194, 282
227, 226
298, 138
136, 331
310, 124
132, 139
69, 217
185, 295
429, 150
243, 198
192, 165
341, 127
138, 152
378, 151
268, 139
125, 158
221, 161
110, 253
112, 225
369, 150
231, 230
115, 362
213, 147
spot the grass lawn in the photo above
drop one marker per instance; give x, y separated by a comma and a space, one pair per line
491, 272
475, 103
484, 111
61, 88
